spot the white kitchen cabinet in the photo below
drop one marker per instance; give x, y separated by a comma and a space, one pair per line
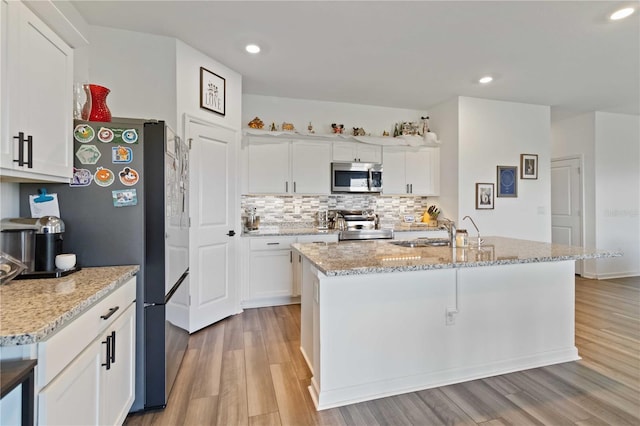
94, 384
270, 267
357, 152
37, 99
414, 171
271, 270
269, 167
293, 167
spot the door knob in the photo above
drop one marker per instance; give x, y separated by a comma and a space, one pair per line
231, 233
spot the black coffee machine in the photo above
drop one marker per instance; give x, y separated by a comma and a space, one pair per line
34, 241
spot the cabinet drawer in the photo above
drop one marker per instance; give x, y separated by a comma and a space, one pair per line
320, 238
280, 243
55, 353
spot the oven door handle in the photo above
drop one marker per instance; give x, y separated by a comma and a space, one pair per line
370, 180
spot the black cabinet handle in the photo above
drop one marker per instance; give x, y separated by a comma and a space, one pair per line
111, 312
231, 233
21, 142
108, 357
113, 347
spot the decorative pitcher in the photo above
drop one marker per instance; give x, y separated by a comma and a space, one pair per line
95, 108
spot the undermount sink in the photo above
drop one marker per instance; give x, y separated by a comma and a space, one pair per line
423, 242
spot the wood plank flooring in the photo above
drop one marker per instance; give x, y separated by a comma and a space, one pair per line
248, 370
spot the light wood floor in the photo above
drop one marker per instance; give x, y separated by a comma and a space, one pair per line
247, 370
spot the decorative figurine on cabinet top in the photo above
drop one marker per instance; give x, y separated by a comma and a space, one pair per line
287, 127
337, 128
256, 123
358, 131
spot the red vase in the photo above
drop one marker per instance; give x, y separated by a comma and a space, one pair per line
95, 108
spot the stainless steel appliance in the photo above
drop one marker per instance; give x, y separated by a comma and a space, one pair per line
356, 177
358, 225
34, 241
127, 204
251, 220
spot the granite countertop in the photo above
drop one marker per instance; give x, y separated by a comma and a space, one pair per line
31, 310
369, 257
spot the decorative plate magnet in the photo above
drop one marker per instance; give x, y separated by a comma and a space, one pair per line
121, 154
83, 133
129, 176
130, 136
88, 154
103, 177
105, 135
81, 177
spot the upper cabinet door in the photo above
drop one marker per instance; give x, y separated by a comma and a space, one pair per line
369, 153
37, 98
423, 171
269, 168
311, 167
394, 180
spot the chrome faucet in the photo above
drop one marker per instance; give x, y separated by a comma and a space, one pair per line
451, 227
477, 230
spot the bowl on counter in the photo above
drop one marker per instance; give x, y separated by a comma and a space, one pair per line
10, 267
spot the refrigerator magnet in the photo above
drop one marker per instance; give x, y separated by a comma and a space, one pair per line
121, 154
128, 176
88, 154
83, 133
105, 135
103, 177
130, 136
81, 177
124, 197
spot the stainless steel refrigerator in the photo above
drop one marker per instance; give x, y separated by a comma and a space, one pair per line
127, 204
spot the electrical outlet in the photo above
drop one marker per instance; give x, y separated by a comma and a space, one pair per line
450, 316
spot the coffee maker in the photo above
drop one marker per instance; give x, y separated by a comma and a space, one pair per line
34, 241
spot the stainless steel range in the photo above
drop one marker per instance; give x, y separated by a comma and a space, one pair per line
358, 225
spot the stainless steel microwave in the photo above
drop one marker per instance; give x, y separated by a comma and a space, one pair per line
356, 177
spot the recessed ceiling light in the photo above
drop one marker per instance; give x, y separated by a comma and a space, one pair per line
485, 80
622, 13
252, 48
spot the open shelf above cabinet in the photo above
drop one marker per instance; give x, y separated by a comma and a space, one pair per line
373, 140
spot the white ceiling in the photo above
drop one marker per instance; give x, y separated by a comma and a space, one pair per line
415, 54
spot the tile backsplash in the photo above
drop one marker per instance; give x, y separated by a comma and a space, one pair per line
303, 208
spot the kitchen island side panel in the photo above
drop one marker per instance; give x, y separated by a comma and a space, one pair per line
377, 335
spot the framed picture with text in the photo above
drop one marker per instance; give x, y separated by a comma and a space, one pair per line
484, 196
528, 166
507, 181
213, 90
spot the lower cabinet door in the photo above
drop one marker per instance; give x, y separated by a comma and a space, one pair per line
72, 398
117, 384
271, 273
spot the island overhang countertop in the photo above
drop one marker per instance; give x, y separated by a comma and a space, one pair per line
381, 256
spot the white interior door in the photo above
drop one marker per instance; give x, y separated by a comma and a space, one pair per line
566, 202
213, 215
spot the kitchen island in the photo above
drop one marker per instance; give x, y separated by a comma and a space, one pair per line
380, 319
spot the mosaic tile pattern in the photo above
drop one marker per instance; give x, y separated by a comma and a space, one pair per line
303, 208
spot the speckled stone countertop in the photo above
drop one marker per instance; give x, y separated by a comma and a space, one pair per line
31, 310
370, 257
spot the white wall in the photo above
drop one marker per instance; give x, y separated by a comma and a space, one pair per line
444, 121
189, 61
300, 112
617, 171
140, 71
480, 134
610, 147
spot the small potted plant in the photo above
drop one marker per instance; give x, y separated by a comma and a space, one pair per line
431, 216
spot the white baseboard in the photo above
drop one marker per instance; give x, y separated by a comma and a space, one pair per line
270, 301
613, 275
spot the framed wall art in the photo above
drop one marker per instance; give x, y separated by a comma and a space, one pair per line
484, 196
528, 166
507, 181
213, 89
